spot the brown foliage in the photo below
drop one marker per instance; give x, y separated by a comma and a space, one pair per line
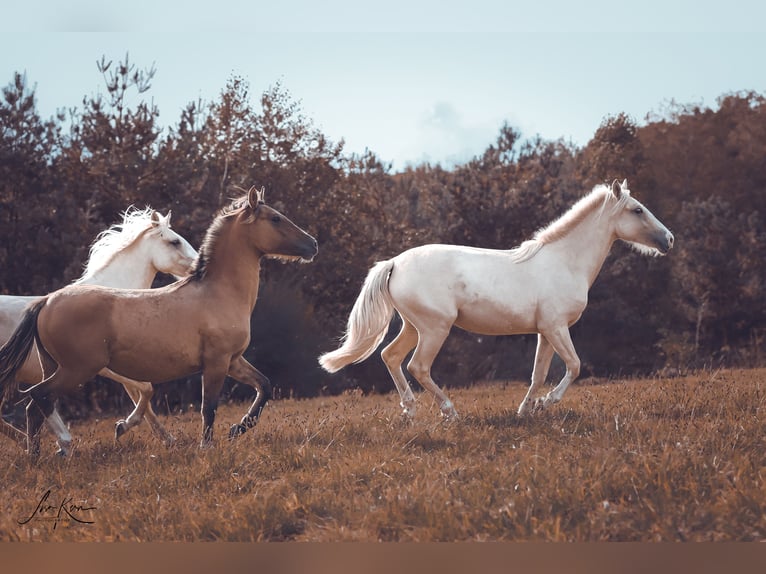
641, 460
700, 170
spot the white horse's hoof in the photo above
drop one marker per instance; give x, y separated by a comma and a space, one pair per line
448, 411
450, 417
63, 450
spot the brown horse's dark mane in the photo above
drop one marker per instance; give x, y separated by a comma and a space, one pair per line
222, 220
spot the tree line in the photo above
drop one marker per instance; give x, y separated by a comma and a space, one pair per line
700, 169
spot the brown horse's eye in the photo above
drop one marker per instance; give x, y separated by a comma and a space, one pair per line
275, 219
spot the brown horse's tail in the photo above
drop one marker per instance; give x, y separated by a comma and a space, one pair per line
368, 321
16, 349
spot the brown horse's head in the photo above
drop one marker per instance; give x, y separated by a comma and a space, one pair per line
273, 234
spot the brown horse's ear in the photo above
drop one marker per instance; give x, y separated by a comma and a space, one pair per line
616, 189
254, 197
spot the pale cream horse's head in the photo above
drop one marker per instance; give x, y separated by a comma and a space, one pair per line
636, 225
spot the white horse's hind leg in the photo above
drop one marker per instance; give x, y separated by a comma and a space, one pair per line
141, 394
562, 344
429, 343
543, 357
393, 356
59, 428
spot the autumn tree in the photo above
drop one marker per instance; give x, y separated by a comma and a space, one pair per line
31, 257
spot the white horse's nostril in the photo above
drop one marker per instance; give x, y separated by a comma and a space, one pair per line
671, 239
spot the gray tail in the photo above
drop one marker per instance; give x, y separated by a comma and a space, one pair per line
16, 349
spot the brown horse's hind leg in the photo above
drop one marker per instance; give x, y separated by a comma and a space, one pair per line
38, 409
13, 433
41, 407
244, 372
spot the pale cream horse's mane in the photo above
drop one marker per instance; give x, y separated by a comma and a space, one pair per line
598, 198
119, 237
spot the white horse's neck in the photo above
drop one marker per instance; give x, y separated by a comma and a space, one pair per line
131, 268
585, 247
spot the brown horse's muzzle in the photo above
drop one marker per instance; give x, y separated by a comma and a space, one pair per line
310, 250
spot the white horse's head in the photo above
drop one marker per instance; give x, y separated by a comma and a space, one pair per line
170, 252
636, 225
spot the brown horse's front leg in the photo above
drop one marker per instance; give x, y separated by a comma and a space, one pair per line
212, 382
244, 372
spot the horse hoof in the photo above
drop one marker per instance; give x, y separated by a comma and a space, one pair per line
450, 417
236, 430
120, 428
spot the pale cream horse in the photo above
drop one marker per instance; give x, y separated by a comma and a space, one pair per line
128, 255
539, 287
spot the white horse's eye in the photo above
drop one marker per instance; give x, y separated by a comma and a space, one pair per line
175, 242
638, 211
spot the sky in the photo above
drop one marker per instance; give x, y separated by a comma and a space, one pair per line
412, 81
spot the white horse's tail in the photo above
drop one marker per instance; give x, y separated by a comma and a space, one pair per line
368, 321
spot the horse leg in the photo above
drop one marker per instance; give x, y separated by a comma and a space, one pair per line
141, 394
213, 376
48, 367
38, 410
59, 428
429, 343
543, 357
13, 433
42, 406
393, 356
244, 372
561, 341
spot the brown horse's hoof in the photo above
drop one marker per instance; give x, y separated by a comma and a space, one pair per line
120, 428
237, 430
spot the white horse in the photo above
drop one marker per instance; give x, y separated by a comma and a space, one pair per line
539, 287
127, 255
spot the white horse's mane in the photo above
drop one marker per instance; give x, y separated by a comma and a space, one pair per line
598, 198
117, 238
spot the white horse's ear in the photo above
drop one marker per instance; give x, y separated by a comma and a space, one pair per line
155, 218
167, 217
616, 189
624, 184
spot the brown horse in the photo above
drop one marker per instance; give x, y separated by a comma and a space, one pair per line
199, 324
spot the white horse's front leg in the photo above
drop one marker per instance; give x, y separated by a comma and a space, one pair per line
543, 357
140, 393
562, 344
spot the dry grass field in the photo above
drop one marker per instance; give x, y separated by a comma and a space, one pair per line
679, 459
